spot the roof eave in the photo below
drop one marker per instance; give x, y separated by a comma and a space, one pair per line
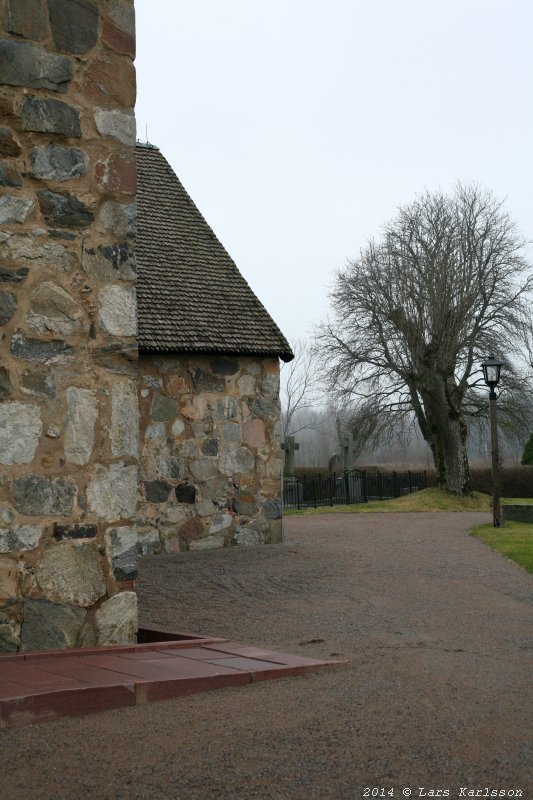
285, 354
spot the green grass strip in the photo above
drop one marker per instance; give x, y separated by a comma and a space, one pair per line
515, 541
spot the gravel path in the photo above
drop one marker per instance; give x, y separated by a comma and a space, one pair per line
437, 633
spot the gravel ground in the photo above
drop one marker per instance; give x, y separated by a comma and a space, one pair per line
436, 692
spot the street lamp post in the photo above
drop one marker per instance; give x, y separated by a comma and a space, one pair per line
491, 373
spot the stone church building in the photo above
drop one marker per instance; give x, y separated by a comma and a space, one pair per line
139, 374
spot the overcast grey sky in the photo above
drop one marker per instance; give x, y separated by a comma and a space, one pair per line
299, 126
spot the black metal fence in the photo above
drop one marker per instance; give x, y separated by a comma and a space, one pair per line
350, 487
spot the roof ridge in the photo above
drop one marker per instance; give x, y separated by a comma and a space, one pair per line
148, 145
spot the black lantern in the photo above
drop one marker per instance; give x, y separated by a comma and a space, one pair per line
491, 371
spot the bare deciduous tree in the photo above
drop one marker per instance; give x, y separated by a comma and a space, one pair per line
300, 389
444, 286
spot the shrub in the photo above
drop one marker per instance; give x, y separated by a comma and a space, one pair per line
527, 455
515, 481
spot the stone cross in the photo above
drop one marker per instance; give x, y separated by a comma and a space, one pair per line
289, 446
347, 450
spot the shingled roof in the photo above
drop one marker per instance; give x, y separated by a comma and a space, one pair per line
191, 296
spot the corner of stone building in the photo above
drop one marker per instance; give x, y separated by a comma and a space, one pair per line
68, 370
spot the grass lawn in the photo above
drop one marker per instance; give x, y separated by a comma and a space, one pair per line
514, 501
425, 500
514, 541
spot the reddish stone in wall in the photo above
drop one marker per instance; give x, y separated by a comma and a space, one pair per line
117, 39
192, 529
110, 80
176, 386
116, 173
8, 144
254, 432
7, 108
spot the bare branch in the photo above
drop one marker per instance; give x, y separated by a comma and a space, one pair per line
300, 386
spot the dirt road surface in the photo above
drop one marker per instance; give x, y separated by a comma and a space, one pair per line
436, 693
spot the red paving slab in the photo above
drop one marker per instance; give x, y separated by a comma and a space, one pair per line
84, 673
36, 687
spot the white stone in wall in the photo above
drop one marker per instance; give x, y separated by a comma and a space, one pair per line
6, 515
153, 381
20, 429
15, 209
273, 468
20, 537
119, 218
116, 620
156, 430
205, 508
178, 427
148, 538
220, 523
124, 420
239, 461
112, 493
118, 310
209, 543
224, 408
80, 421
120, 540
254, 367
53, 309
202, 469
232, 432
71, 572
36, 248
248, 536
174, 514
156, 460
271, 384
189, 448
115, 124
246, 385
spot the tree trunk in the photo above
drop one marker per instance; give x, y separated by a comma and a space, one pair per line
446, 435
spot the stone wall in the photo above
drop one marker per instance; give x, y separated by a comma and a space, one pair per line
210, 452
68, 402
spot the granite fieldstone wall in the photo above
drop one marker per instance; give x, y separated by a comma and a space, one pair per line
68, 355
210, 459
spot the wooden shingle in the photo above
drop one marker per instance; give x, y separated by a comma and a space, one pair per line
191, 296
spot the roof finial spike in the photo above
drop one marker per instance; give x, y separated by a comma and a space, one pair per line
146, 130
